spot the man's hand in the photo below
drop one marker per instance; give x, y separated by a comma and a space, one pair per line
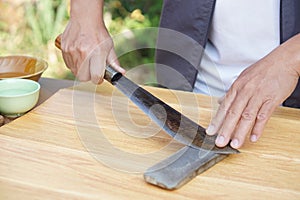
86, 44
256, 93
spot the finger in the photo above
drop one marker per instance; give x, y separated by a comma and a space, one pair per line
262, 118
68, 56
216, 122
114, 62
83, 66
232, 118
97, 66
69, 63
246, 123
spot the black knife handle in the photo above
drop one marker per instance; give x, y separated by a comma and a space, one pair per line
111, 75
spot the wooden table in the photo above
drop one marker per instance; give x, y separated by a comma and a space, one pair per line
57, 152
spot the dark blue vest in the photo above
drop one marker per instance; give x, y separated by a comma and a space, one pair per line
193, 18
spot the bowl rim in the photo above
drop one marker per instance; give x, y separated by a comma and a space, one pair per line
27, 75
20, 80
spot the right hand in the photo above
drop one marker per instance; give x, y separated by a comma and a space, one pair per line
87, 48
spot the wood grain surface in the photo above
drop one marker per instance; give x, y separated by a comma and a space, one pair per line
93, 143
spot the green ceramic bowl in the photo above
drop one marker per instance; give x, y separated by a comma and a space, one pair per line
17, 96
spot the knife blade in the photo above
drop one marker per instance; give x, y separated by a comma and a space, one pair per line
177, 125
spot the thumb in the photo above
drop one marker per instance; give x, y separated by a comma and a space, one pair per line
97, 64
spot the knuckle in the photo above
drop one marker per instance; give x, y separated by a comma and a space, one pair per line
84, 50
69, 49
249, 116
236, 87
269, 98
262, 116
231, 112
224, 107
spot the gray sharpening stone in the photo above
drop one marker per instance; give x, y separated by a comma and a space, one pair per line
181, 167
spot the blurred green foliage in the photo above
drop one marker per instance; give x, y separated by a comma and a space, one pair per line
45, 18
121, 11
132, 16
30, 27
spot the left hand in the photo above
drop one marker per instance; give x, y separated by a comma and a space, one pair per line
256, 93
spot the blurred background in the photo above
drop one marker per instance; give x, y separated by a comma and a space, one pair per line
30, 27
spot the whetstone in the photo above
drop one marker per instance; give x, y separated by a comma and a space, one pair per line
181, 167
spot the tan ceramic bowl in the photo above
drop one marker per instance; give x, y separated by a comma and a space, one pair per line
19, 66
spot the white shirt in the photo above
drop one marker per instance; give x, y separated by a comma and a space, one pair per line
242, 32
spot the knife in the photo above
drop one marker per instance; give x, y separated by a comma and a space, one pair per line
178, 126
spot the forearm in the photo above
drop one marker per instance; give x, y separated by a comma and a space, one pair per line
90, 12
289, 52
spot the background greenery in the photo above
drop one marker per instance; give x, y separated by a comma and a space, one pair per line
30, 27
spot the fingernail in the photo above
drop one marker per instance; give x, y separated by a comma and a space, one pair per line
234, 143
210, 130
253, 138
220, 140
